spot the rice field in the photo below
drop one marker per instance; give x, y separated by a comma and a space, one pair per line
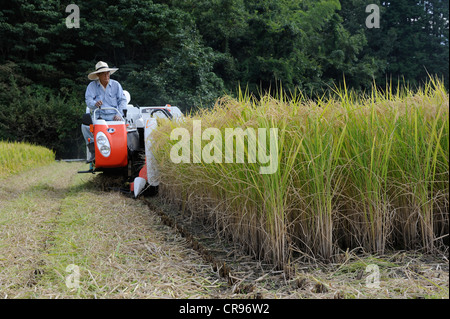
18, 156
352, 171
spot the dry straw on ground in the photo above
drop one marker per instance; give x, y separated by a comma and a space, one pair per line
52, 217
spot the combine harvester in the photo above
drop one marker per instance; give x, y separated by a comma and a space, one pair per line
125, 145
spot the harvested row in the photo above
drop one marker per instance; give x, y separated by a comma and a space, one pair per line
218, 264
57, 226
368, 172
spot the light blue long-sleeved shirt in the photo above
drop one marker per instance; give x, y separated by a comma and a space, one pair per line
111, 97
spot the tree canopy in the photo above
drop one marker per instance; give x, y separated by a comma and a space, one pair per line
190, 52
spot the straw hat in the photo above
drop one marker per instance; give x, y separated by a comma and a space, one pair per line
99, 68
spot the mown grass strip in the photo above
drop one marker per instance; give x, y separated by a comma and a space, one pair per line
56, 222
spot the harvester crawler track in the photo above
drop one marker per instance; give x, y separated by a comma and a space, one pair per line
218, 264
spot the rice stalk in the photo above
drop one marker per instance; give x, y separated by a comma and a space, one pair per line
17, 156
352, 171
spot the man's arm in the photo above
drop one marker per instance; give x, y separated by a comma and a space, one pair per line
90, 96
121, 99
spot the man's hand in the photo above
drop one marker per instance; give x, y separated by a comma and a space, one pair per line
117, 118
98, 104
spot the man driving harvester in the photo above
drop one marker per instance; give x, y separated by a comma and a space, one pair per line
102, 91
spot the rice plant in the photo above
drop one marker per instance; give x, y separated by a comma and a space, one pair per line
17, 156
367, 171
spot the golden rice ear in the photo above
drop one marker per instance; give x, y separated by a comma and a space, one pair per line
368, 171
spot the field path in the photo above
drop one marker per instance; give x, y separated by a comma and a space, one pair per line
61, 237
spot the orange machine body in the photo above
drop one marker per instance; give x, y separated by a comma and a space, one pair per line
116, 133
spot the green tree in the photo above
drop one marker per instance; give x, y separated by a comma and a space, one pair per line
190, 52
412, 40
33, 113
420, 34
301, 44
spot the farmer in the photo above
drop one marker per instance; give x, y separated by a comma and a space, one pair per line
102, 92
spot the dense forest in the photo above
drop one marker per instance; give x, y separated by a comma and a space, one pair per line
190, 52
